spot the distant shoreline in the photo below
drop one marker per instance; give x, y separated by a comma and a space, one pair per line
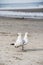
31, 19
22, 13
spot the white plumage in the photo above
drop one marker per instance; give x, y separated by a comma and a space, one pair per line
19, 41
26, 38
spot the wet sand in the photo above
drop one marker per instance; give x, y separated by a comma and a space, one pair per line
33, 51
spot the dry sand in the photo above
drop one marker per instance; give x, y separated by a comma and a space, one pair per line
33, 54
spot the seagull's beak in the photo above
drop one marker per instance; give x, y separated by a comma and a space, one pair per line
12, 44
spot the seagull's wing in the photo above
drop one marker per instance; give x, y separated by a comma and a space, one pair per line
19, 41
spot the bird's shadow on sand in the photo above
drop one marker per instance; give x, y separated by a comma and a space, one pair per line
36, 49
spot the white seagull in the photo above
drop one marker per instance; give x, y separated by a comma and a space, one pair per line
21, 41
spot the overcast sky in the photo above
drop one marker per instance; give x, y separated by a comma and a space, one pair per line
18, 1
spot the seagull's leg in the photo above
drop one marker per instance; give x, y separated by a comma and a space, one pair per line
22, 47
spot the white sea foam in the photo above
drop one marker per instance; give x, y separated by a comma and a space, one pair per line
37, 15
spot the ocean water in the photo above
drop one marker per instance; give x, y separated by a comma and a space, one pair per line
36, 15
21, 5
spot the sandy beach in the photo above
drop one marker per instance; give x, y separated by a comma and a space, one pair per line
33, 51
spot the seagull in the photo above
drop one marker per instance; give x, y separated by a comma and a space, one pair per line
21, 41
